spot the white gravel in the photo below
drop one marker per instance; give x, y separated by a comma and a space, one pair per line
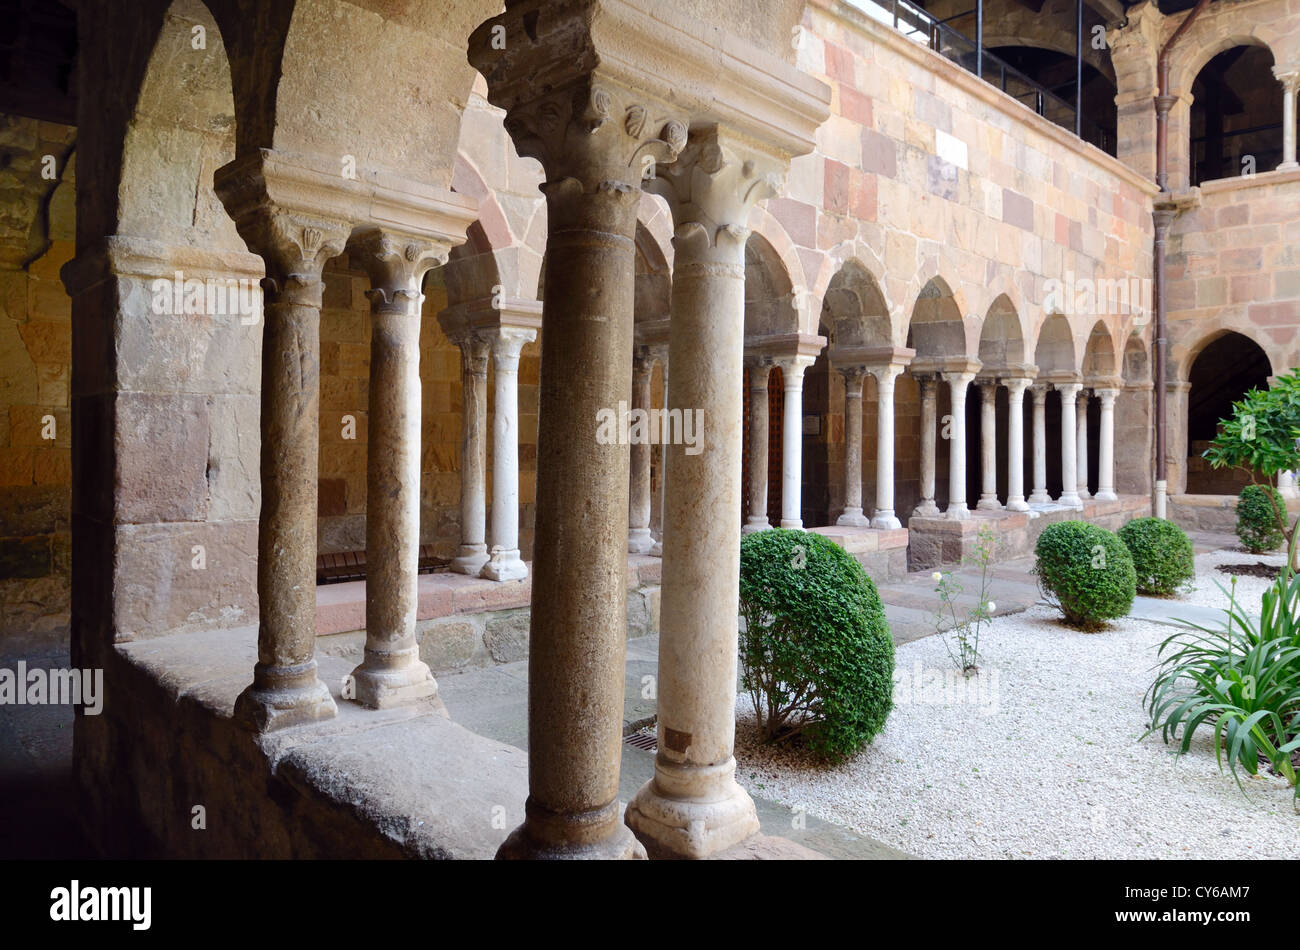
1206, 592
1045, 763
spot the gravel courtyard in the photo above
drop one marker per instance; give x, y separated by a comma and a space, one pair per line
1038, 758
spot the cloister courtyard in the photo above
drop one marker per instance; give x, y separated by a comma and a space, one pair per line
400, 402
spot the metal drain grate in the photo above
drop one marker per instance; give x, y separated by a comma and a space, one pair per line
643, 740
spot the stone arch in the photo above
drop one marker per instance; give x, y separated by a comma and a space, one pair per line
1234, 91
854, 312
769, 291
1225, 366
1098, 354
1054, 351
1135, 366
937, 329
779, 252
1133, 456
1002, 344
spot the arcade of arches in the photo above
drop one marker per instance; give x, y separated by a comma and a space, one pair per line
869, 293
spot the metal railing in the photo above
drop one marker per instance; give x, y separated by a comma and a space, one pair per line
938, 35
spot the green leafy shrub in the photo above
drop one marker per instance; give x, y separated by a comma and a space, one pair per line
1257, 526
1086, 571
816, 654
1162, 555
1241, 679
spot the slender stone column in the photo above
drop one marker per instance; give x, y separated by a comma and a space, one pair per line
760, 370
1289, 79
472, 553
391, 673
286, 690
1069, 445
1016, 443
693, 807
596, 140
1106, 446
853, 377
1081, 434
505, 563
958, 382
884, 516
657, 549
639, 538
989, 447
792, 370
1286, 485
929, 386
1039, 496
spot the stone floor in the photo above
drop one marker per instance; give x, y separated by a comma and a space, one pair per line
38, 819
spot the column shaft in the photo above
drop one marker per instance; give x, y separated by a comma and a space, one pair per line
1106, 446
989, 447
928, 508
1039, 496
639, 538
472, 554
1069, 445
759, 373
958, 383
505, 563
1289, 84
792, 369
884, 517
853, 379
1016, 444
657, 549
1081, 434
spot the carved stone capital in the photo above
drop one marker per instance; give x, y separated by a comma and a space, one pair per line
1288, 76
792, 369
396, 265
507, 344
710, 190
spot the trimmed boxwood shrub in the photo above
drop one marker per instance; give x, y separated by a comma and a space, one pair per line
1086, 571
1162, 555
1257, 525
816, 654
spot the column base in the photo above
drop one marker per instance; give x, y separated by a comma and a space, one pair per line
885, 519
957, 513
525, 843
639, 541
796, 525
1017, 504
852, 518
1039, 496
303, 699
504, 566
1106, 496
926, 509
1070, 499
1288, 166
988, 504
753, 527
470, 559
378, 686
657, 549
675, 828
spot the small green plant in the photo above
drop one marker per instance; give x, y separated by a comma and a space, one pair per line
817, 658
1086, 572
1163, 556
1240, 679
961, 635
1257, 508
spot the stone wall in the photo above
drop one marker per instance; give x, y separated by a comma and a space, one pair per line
37, 231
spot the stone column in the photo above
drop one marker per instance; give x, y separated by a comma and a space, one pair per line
591, 136
792, 370
1081, 434
957, 384
1016, 443
1106, 446
760, 370
884, 517
639, 538
1289, 79
1069, 445
391, 672
657, 549
853, 377
286, 690
1286, 485
505, 563
693, 807
472, 553
989, 447
929, 435
1039, 496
